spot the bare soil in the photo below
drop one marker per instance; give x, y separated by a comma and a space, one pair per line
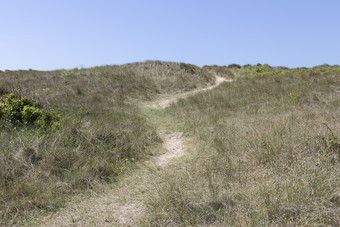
173, 143
164, 103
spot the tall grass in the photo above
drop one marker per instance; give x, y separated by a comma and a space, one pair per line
268, 154
100, 132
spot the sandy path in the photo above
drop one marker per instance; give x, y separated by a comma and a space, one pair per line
123, 205
161, 104
173, 142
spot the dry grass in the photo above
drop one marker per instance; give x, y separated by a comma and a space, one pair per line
268, 154
264, 149
100, 130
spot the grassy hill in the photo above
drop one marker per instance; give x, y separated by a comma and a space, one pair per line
264, 149
100, 133
269, 151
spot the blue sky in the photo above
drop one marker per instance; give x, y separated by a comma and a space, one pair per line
47, 34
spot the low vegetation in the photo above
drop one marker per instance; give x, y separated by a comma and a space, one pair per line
269, 151
264, 150
250, 71
66, 131
18, 112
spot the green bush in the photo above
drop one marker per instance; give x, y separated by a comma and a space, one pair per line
234, 66
23, 111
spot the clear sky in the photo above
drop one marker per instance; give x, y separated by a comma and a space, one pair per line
55, 34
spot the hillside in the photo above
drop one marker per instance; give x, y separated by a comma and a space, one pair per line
267, 154
261, 150
100, 131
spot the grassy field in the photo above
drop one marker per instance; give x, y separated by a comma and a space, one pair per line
265, 151
99, 132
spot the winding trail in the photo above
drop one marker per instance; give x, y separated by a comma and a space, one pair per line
123, 203
165, 102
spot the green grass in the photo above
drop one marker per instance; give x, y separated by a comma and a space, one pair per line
100, 131
266, 151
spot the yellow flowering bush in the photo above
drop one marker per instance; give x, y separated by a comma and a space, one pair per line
23, 111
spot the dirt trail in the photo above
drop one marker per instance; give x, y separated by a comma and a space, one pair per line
173, 142
164, 103
123, 204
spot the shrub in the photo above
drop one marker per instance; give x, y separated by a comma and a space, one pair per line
188, 68
23, 111
234, 66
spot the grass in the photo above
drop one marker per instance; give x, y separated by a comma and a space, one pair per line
265, 151
101, 131
251, 71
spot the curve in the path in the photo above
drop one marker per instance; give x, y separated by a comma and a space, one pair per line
168, 101
124, 204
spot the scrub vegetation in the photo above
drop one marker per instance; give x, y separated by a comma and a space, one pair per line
261, 150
